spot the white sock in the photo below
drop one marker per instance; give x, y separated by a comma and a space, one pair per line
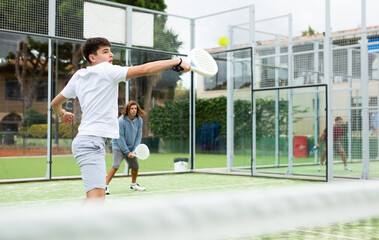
133, 184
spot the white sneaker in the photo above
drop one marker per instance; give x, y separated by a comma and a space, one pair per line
107, 191
348, 169
319, 168
136, 187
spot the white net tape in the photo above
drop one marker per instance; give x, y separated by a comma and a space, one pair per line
213, 215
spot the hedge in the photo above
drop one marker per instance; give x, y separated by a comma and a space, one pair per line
32, 116
40, 130
172, 120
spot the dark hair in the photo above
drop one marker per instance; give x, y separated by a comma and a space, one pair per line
92, 45
338, 118
125, 111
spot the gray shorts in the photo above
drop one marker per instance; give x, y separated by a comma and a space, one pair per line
118, 156
89, 153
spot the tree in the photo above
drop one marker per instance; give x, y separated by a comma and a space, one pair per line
164, 39
32, 116
30, 21
30, 59
158, 5
208, 110
309, 32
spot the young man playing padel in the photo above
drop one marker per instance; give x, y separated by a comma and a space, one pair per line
97, 90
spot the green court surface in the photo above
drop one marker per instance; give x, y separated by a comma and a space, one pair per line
65, 165
338, 169
358, 230
35, 193
49, 193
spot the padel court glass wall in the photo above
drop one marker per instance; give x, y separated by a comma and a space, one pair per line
24, 139
288, 121
228, 116
212, 101
138, 36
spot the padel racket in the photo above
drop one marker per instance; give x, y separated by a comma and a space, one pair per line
141, 152
201, 62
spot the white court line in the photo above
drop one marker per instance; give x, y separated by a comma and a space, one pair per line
325, 234
129, 195
200, 188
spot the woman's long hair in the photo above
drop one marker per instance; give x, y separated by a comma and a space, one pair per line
125, 111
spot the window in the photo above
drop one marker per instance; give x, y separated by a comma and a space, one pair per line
373, 102
356, 120
10, 122
238, 63
242, 75
217, 82
12, 89
42, 90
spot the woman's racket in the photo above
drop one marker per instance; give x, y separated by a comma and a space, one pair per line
201, 62
141, 152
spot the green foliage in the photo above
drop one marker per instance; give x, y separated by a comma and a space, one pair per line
309, 32
69, 15
171, 121
30, 64
70, 19
32, 116
212, 110
65, 130
37, 131
30, 21
265, 115
242, 119
158, 5
164, 38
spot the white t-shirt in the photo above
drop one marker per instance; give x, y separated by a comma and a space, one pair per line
97, 90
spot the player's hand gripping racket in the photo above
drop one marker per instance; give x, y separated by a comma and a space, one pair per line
201, 62
313, 149
141, 152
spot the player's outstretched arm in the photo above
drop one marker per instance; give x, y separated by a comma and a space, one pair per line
152, 68
56, 105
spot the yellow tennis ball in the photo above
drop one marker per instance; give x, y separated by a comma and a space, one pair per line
223, 41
